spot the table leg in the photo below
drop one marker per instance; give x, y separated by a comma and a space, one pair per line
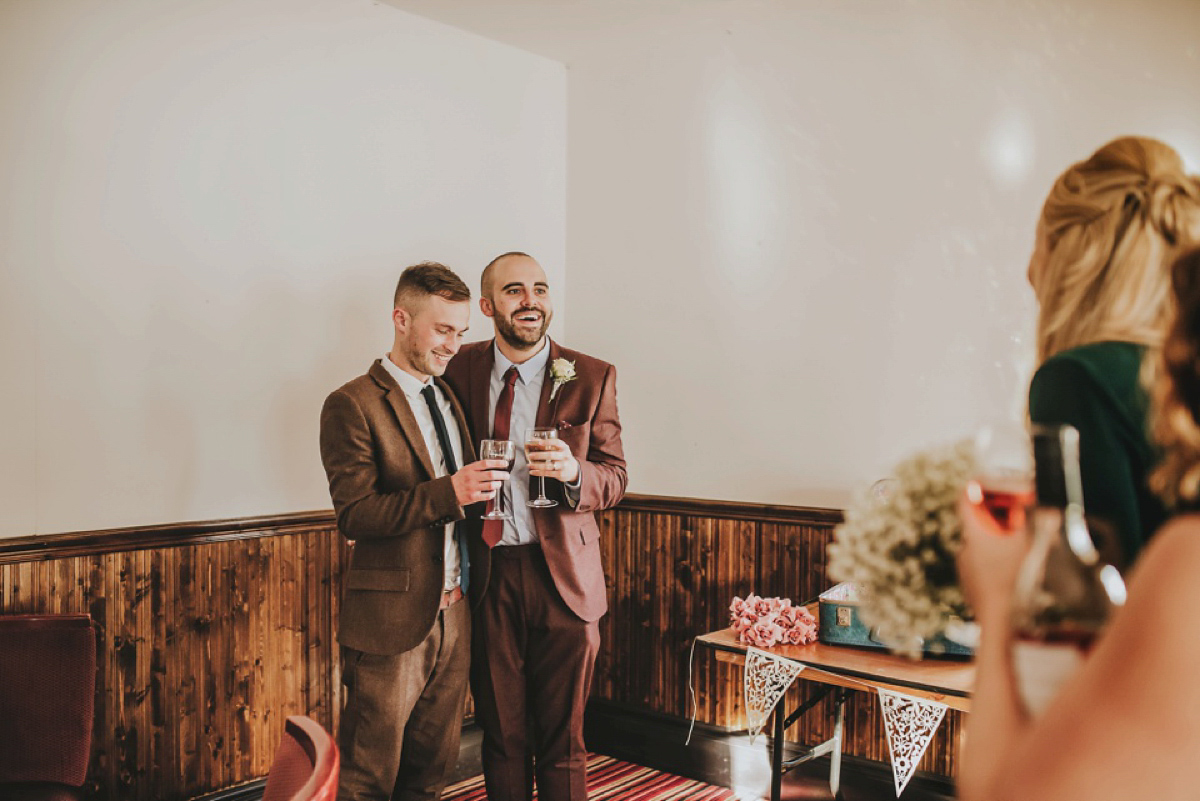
835, 755
777, 752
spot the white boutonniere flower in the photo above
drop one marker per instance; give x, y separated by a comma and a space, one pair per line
561, 371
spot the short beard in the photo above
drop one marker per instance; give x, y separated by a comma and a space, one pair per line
423, 361
518, 339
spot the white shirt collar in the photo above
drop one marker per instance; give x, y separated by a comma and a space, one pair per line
529, 369
409, 383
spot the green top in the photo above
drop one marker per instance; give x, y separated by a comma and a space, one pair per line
1096, 389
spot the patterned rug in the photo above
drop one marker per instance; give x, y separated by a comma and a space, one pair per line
610, 779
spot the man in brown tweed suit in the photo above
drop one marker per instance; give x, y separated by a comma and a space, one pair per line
392, 442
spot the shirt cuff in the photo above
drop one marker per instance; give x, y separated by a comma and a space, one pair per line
572, 490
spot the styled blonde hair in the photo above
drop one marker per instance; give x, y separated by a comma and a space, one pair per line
1112, 225
1175, 394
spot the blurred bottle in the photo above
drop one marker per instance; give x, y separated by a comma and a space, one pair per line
1065, 593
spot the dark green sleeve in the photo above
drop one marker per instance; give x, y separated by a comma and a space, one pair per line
1063, 391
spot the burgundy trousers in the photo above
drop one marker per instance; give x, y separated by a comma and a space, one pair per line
531, 671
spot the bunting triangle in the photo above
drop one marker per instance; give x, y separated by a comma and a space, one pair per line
910, 724
767, 678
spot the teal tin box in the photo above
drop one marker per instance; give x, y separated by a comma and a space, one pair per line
839, 624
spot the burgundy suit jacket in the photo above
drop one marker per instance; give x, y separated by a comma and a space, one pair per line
584, 411
389, 503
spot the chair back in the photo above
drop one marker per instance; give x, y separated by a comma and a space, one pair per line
47, 697
306, 764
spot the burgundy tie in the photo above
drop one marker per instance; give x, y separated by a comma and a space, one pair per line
493, 530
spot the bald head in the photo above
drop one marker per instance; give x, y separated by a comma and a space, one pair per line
487, 281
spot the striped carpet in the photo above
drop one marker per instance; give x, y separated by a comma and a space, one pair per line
610, 779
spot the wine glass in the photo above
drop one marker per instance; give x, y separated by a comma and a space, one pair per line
533, 439
1003, 481
498, 449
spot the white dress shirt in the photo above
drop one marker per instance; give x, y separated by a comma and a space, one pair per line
527, 392
412, 386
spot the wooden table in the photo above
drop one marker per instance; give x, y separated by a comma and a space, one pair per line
841, 668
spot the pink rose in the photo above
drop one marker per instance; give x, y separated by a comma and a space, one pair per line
764, 634
798, 614
751, 637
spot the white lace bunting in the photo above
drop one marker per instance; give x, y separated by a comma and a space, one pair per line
910, 724
767, 678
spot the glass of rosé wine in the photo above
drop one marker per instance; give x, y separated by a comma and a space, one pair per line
1003, 479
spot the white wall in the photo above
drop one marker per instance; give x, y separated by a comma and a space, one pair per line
204, 206
801, 229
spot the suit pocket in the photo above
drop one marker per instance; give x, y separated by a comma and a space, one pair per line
589, 532
576, 438
377, 580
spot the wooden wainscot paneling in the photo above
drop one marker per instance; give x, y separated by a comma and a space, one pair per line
209, 636
673, 565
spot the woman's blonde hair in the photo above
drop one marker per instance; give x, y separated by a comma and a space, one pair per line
1112, 224
1175, 394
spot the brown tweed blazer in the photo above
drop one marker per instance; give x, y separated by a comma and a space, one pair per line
391, 507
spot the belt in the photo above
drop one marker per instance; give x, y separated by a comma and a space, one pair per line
517, 551
451, 597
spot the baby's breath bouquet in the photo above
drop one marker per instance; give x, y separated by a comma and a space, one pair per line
898, 548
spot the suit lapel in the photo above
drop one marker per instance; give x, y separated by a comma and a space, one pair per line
464, 430
545, 410
480, 381
404, 416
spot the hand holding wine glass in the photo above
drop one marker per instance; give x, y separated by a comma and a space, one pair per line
535, 439
1003, 482
478, 481
505, 450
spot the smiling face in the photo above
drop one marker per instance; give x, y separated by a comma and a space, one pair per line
518, 301
429, 331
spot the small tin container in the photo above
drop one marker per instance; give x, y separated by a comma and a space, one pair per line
839, 624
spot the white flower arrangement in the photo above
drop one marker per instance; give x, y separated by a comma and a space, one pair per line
899, 549
561, 371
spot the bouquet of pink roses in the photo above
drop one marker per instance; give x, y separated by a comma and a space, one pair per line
763, 622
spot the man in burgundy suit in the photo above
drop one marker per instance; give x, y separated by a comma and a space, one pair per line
536, 630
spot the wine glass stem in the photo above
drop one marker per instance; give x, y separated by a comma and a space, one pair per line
541, 488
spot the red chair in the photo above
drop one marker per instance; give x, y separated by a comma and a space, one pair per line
47, 700
306, 765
